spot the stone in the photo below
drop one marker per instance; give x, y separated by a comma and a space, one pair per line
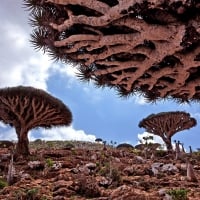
139, 159
36, 164
91, 166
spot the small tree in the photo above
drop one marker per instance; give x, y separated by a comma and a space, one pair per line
147, 138
26, 108
99, 140
166, 124
124, 146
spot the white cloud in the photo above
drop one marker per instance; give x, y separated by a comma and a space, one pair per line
38, 71
8, 134
64, 133
140, 100
18, 36
20, 64
26, 73
66, 70
156, 139
2, 125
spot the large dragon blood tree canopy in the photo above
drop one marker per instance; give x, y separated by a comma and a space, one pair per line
150, 47
26, 108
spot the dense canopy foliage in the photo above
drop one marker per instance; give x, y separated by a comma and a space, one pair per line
150, 47
166, 124
26, 108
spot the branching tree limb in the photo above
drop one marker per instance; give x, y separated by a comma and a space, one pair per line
151, 47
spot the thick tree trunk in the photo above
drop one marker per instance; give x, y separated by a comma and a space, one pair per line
22, 145
168, 144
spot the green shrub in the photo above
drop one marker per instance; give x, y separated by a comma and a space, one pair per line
161, 153
31, 193
38, 141
3, 183
137, 152
178, 194
108, 171
69, 146
124, 146
26, 194
19, 194
49, 162
115, 175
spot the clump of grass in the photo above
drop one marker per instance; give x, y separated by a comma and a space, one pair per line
26, 194
108, 171
49, 162
178, 194
69, 145
3, 183
32, 193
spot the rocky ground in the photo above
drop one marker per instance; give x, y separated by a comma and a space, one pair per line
90, 171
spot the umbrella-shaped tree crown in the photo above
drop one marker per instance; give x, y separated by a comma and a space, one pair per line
26, 108
148, 47
166, 124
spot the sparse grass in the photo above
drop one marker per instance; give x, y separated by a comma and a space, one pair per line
160, 153
31, 193
3, 183
136, 152
26, 194
178, 194
62, 144
49, 162
69, 145
19, 194
109, 171
106, 166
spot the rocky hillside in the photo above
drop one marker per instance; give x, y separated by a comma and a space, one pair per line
92, 171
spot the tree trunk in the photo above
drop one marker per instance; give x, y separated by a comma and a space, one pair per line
168, 144
23, 143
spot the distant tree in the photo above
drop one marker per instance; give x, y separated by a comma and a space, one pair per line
112, 143
99, 140
166, 124
190, 149
124, 145
26, 108
147, 138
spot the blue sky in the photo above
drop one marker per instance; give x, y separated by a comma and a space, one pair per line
96, 112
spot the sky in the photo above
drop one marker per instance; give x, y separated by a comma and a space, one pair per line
97, 112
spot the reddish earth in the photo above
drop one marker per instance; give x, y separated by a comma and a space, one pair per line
89, 171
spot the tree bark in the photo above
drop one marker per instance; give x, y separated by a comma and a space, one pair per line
23, 143
168, 143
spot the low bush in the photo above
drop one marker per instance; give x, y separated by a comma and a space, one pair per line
178, 194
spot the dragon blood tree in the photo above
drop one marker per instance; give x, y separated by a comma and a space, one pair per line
150, 47
26, 108
166, 124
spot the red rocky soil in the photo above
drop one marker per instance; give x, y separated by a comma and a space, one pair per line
92, 172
